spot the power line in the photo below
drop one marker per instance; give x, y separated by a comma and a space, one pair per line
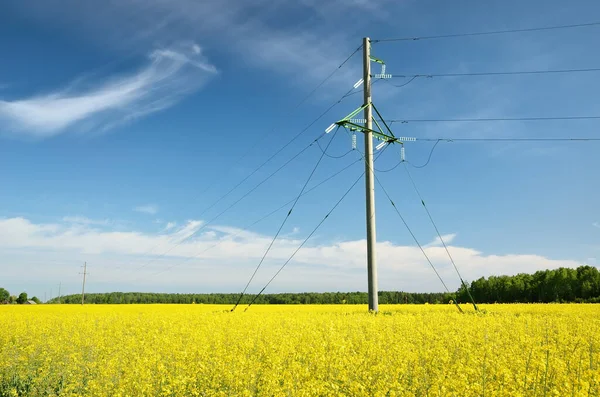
253, 172
329, 77
440, 237
493, 119
389, 169
509, 139
311, 93
492, 32
414, 238
217, 179
521, 72
314, 230
231, 205
305, 240
260, 219
334, 157
285, 220
411, 233
428, 158
449, 140
412, 78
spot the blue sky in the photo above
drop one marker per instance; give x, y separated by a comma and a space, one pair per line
119, 126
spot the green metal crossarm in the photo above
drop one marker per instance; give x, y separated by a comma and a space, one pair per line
378, 126
382, 120
377, 60
355, 112
379, 135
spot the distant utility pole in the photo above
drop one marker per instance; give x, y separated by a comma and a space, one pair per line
59, 285
83, 287
370, 179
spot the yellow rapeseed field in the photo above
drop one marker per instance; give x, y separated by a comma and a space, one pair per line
204, 350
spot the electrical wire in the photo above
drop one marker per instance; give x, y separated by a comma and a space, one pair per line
410, 231
259, 141
492, 32
525, 72
334, 157
285, 220
360, 92
492, 119
305, 241
281, 149
313, 231
440, 237
428, 157
389, 169
415, 239
438, 140
510, 139
329, 77
204, 225
257, 221
403, 84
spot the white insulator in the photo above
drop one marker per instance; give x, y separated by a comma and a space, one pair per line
402, 158
353, 141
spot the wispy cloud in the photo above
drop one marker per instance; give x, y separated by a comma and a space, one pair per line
82, 220
170, 74
302, 41
448, 238
226, 255
169, 226
596, 224
151, 209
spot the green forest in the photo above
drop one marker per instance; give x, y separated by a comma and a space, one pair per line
562, 285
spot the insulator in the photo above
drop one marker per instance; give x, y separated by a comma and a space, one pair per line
353, 141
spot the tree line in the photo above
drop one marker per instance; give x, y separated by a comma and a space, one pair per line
6, 298
560, 285
391, 297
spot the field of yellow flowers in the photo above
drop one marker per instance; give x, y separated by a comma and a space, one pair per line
205, 350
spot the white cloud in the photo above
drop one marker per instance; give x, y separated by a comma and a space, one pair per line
82, 220
222, 258
169, 75
448, 238
309, 36
596, 224
151, 209
169, 226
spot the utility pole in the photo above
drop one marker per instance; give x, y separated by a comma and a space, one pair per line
59, 285
370, 179
83, 287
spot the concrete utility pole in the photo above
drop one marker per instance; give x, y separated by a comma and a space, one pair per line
370, 180
83, 288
